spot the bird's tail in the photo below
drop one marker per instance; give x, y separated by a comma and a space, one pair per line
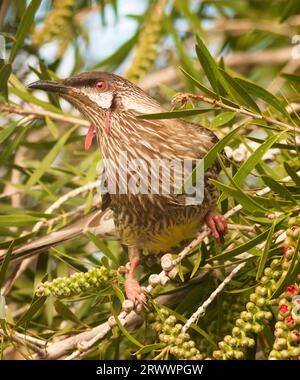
98, 222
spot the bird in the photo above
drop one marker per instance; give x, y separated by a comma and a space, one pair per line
146, 222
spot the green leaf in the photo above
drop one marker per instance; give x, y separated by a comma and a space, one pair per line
263, 94
291, 8
175, 114
48, 159
150, 348
127, 334
253, 160
278, 188
241, 248
6, 132
197, 263
292, 173
52, 127
102, 247
247, 201
217, 148
265, 254
5, 263
4, 76
208, 64
34, 308
222, 118
24, 27
239, 92
292, 77
66, 313
203, 88
17, 220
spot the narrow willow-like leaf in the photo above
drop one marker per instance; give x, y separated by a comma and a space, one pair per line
24, 26
278, 188
239, 92
17, 220
175, 114
292, 173
208, 64
6, 132
197, 263
203, 88
48, 159
217, 148
263, 94
102, 247
66, 313
242, 247
222, 119
5, 263
150, 348
34, 308
5, 72
265, 253
127, 333
245, 200
253, 160
291, 7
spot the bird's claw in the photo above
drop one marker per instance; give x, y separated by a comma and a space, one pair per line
134, 291
218, 226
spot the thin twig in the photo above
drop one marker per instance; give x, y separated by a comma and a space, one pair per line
39, 112
27, 341
201, 310
183, 97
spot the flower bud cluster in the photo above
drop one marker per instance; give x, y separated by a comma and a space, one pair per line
77, 284
170, 332
252, 320
287, 327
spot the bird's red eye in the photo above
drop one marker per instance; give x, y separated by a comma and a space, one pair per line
101, 86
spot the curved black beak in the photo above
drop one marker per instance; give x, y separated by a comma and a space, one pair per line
50, 86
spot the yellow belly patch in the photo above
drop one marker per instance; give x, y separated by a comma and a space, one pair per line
164, 239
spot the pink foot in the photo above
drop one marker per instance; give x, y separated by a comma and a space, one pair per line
218, 226
134, 291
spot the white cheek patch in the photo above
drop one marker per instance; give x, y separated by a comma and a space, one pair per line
103, 99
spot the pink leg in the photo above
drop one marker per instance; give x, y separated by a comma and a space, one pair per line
218, 226
133, 289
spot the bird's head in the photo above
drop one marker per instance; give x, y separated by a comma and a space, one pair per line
101, 96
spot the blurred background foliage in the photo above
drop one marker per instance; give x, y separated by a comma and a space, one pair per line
246, 61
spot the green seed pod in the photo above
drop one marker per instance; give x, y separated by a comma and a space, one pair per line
260, 315
261, 302
239, 355
227, 339
264, 280
240, 323
217, 354
236, 331
275, 264
268, 315
284, 354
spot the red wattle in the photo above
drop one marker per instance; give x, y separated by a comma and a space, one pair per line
89, 138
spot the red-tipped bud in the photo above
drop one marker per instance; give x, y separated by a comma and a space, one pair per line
290, 321
291, 290
288, 250
283, 309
